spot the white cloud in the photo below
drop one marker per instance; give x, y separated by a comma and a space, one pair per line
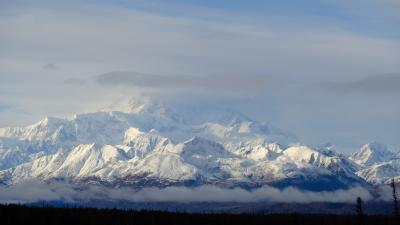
35, 191
95, 39
88, 39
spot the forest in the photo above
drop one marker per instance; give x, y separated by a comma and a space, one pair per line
23, 214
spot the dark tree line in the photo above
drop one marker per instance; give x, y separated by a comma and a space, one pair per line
360, 210
394, 194
19, 214
22, 214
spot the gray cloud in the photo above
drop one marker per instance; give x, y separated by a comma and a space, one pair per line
51, 66
5, 106
378, 84
32, 191
74, 81
219, 82
92, 38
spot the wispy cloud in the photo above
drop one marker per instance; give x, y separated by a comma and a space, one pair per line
213, 49
51, 66
218, 82
5, 106
36, 191
378, 84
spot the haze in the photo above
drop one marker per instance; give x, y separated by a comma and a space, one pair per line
327, 71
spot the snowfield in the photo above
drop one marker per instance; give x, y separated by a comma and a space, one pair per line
146, 144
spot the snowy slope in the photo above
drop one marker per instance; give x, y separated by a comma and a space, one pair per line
378, 164
110, 127
195, 161
373, 153
148, 143
381, 173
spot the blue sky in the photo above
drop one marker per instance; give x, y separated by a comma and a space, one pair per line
330, 69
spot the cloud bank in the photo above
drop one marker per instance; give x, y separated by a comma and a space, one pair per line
383, 84
288, 70
216, 83
33, 191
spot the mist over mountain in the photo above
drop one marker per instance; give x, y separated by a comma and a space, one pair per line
144, 145
235, 106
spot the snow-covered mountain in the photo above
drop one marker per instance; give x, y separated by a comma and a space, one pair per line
18, 145
147, 143
378, 164
381, 173
373, 153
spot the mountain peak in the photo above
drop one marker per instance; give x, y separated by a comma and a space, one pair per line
373, 153
376, 146
48, 120
137, 105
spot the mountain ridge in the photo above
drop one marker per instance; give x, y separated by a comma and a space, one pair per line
153, 146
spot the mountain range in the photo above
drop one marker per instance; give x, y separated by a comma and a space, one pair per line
141, 142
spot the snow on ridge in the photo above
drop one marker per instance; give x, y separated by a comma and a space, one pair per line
152, 144
373, 153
